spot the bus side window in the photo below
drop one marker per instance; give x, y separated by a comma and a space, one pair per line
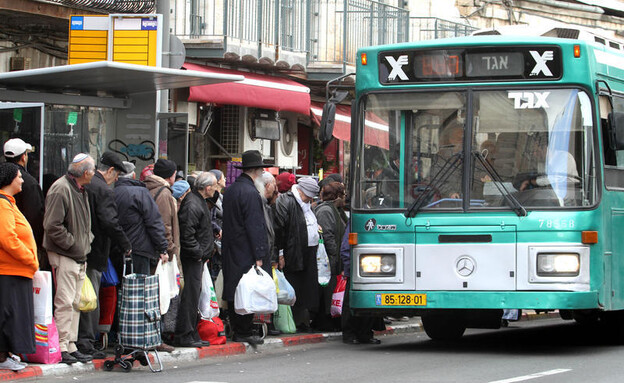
614, 159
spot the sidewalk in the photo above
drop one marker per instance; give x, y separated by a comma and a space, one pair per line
230, 348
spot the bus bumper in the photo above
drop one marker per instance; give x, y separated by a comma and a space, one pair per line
543, 300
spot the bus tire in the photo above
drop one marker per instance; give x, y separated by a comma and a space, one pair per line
443, 327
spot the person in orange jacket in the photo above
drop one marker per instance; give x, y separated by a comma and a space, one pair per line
18, 264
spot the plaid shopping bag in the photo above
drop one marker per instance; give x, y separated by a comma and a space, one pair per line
139, 312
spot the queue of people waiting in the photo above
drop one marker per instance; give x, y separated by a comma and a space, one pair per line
99, 215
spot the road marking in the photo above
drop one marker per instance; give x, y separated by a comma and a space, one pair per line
532, 376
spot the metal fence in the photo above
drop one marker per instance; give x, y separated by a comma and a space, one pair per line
316, 27
429, 28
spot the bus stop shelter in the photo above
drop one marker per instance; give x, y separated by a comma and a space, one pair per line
95, 107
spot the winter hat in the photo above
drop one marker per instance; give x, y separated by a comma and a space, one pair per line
179, 188
8, 172
285, 181
165, 168
308, 186
129, 167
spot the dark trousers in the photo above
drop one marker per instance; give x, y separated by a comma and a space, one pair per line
360, 327
186, 327
17, 315
242, 325
89, 327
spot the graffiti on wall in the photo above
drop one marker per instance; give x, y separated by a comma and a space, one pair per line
144, 151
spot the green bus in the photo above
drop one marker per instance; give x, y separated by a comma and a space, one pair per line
487, 173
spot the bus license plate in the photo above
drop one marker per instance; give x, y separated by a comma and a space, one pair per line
401, 299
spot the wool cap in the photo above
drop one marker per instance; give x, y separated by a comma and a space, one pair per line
285, 181
308, 186
165, 168
179, 188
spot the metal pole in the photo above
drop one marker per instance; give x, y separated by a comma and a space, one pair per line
162, 97
344, 37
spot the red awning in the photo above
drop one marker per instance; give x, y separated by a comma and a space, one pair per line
256, 90
376, 130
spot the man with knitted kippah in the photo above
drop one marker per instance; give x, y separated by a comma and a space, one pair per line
67, 238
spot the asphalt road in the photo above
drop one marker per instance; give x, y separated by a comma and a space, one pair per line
549, 350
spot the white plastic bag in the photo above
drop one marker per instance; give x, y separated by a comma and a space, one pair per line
173, 273
255, 293
164, 289
285, 291
208, 304
42, 297
322, 263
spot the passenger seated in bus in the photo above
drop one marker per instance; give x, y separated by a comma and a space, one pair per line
451, 144
554, 166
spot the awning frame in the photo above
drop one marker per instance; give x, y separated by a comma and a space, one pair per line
98, 84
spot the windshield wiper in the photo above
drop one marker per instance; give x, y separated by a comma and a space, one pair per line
438, 180
509, 198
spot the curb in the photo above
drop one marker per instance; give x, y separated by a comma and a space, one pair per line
232, 348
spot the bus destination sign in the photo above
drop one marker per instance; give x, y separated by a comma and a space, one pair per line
470, 64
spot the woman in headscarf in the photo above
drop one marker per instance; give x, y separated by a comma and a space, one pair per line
18, 264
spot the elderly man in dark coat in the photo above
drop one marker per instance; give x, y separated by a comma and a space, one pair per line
245, 241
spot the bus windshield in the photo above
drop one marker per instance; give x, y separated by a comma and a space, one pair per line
533, 144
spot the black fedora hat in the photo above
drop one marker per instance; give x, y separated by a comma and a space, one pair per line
253, 159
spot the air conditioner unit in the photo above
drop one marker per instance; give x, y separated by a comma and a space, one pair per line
249, 140
286, 147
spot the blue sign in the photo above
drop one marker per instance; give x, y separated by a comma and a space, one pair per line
378, 299
149, 24
77, 23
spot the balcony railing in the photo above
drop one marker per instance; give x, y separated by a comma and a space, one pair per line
118, 6
429, 28
326, 32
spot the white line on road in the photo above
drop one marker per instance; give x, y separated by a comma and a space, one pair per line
532, 376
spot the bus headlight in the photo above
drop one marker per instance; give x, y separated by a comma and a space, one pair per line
378, 265
558, 264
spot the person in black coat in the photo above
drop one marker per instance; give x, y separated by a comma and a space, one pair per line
296, 233
245, 240
30, 200
140, 219
196, 247
105, 227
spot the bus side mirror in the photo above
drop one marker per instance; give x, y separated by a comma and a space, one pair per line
327, 122
616, 126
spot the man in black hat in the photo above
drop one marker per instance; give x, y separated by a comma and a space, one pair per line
244, 240
105, 228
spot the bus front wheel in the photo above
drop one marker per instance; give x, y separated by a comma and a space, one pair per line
443, 326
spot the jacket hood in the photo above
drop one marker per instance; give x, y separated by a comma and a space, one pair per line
154, 181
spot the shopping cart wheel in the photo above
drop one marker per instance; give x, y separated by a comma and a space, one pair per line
108, 365
126, 365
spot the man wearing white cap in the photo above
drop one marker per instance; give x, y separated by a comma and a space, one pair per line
30, 200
